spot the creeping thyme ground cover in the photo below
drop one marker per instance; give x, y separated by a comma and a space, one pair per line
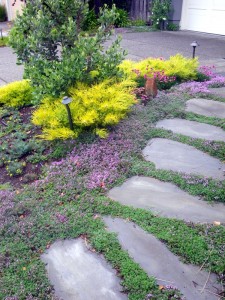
70, 198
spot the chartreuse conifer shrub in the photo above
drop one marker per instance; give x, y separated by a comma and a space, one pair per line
93, 107
179, 66
16, 94
48, 40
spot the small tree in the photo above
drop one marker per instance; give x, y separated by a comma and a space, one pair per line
48, 40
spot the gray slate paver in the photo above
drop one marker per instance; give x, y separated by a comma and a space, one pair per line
166, 199
170, 155
77, 273
218, 91
154, 257
193, 129
2, 82
205, 107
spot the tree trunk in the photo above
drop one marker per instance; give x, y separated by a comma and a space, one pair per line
139, 9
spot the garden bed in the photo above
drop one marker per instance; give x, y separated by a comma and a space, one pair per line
70, 198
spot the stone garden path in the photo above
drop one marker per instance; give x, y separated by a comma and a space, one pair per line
70, 264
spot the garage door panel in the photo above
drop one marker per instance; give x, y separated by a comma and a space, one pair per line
201, 4
204, 15
197, 19
218, 24
218, 4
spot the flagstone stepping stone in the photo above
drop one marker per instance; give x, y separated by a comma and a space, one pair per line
175, 156
166, 199
208, 108
77, 273
154, 257
193, 129
218, 91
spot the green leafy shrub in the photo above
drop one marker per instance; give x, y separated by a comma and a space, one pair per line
90, 21
16, 94
173, 27
160, 11
122, 19
94, 107
138, 22
3, 14
3, 41
182, 68
201, 77
49, 41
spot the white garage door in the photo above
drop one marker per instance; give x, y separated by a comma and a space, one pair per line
204, 16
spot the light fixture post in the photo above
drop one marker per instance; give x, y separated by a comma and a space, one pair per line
66, 101
194, 45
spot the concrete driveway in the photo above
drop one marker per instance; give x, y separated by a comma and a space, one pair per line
141, 45
167, 43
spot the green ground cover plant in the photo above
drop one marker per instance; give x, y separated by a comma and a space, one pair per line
3, 41
22, 154
70, 198
68, 195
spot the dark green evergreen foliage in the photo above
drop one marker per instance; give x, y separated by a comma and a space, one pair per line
3, 14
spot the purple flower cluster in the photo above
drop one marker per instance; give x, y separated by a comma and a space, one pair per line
102, 160
140, 94
194, 87
61, 218
212, 144
209, 71
216, 81
195, 180
171, 287
99, 163
160, 76
7, 202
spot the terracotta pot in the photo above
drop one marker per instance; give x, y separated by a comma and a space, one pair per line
151, 87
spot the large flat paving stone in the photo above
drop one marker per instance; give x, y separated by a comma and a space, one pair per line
77, 273
193, 129
208, 108
154, 257
218, 91
166, 199
175, 156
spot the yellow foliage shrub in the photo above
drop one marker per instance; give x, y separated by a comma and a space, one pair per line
16, 94
94, 107
179, 66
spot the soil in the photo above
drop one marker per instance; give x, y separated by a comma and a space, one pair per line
31, 172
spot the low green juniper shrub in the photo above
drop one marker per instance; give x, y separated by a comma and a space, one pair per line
15, 168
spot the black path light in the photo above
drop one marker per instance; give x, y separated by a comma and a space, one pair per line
66, 101
194, 45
